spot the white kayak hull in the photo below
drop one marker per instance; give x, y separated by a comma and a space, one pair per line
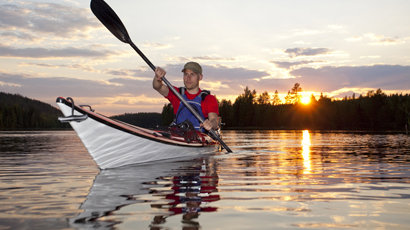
113, 143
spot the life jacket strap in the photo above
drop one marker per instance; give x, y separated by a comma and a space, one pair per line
203, 93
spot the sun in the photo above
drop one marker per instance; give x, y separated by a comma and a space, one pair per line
305, 100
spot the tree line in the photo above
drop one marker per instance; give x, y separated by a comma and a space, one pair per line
373, 111
22, 113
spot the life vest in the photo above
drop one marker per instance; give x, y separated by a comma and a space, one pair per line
183, 112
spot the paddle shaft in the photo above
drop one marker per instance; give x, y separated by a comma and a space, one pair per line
113, 23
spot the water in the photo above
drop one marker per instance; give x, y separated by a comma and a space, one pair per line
274, 180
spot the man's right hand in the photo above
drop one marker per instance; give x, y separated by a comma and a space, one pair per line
157, 82
159, 73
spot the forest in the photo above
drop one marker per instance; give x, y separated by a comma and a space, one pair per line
22, 113
374, 111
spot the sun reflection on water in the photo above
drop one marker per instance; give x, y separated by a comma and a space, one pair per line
307, 164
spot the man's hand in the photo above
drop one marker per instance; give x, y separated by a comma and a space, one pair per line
212, 122
159, 74
157, 82
207, 125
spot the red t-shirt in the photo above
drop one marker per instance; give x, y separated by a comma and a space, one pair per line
208, 105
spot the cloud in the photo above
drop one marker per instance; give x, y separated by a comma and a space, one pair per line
386, 41
17, 34
114, 96
331, 78
53, 18
296, 52
7, 51
61, 86
218, 78
216, 73
156, 45
288, 65
212, 58
374, 39
205, 58
222, 80
232, 74
340, 81
140, 74
56, 66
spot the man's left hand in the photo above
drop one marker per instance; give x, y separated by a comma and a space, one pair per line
207, 125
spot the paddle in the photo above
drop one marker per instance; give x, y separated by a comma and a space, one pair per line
113, 23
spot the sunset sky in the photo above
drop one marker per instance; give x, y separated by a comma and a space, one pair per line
59, 48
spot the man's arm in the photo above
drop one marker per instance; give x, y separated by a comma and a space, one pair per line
157, 82
211, 110
212, 122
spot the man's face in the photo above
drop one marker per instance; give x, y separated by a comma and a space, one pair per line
191, 79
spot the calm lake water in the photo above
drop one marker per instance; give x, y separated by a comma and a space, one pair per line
273, 180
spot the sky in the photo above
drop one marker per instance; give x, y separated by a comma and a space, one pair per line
59, 48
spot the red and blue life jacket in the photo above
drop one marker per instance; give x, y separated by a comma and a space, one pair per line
183, 112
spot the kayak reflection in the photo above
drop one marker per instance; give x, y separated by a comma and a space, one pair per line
191, 193
185, 187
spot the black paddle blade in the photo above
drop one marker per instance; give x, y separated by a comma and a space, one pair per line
109, 19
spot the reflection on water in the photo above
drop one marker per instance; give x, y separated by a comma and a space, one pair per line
273, 180
306, 152
182, 187
44, 176
190, 195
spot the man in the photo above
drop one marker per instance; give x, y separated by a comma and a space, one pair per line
206, 105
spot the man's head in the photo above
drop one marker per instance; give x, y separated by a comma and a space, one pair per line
194, 66
192, 75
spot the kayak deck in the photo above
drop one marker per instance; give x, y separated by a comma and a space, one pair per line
155, 135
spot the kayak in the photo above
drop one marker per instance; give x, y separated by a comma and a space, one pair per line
112, 143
